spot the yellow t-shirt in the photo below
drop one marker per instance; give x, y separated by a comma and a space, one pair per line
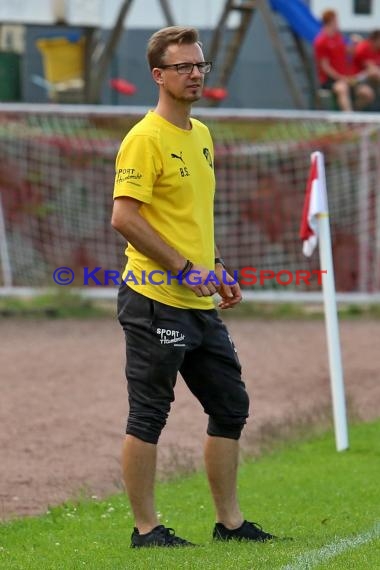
170, 170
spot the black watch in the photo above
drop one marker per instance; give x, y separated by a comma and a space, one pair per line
220, 260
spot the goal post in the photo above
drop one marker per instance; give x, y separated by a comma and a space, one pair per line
56, 182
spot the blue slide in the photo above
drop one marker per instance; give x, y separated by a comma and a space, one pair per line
299, 17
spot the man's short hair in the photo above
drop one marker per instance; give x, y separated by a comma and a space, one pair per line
374, 36
328, 16
162, 39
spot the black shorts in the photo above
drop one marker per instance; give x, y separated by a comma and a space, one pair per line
160, 342
328, 85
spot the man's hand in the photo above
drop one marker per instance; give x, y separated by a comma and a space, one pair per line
231, 294
199, 281
351, 80
195, 281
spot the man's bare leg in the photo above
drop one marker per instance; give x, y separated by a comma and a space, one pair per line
139, 470
342, 92
365, 95
221, 459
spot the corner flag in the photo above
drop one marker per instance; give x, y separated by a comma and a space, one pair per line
315, 225
315, 203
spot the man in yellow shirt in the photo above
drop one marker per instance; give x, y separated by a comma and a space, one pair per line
163, 206
174, 186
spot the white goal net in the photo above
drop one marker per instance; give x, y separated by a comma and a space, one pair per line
56, 182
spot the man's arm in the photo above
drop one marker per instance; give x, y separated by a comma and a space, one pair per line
372, 70
330, 71
127, 220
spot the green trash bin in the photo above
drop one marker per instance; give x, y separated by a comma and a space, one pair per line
10, 80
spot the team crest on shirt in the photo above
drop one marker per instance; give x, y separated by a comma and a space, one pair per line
207, 155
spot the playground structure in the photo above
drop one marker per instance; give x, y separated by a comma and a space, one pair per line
290, 26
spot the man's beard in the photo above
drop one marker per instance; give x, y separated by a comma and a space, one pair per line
191, 98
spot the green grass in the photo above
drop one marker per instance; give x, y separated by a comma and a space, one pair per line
306, 491
55, 305
69, 304
299, 311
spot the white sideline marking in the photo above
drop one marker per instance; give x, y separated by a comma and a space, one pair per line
311, 559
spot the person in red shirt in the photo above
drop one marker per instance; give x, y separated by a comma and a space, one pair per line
335, 68
367, 56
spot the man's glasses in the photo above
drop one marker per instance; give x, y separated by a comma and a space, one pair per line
187, 68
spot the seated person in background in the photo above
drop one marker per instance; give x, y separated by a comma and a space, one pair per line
367, 56
336, 71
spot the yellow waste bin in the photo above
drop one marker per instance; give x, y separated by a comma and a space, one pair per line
63, 60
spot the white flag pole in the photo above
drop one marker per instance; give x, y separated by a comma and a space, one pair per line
331, 316
4, 252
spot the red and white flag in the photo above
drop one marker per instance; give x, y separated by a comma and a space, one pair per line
315, 203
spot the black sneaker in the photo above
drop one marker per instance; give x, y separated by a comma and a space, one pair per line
247, 531
159, 536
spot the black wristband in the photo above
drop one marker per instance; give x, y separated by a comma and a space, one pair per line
220, 260
187, 268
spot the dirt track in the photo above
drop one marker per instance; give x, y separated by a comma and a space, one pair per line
63, 400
